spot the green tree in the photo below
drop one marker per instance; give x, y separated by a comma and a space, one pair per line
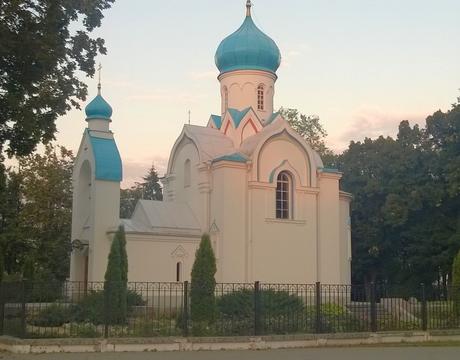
405, 214
115, 285
203, 302
311, 129
45, 216
148, 189
43, 46
13, 244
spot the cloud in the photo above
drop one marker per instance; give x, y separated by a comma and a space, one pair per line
290, 55
135, 169
372, 122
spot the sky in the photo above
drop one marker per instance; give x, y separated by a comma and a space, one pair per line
362, 66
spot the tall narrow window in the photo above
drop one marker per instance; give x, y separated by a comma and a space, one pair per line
187, 173
225, 98
283, 196
179, 272
260, 97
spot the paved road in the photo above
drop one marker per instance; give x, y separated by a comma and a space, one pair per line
387, 353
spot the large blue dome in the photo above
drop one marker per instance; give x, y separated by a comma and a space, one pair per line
248, 48
98, 108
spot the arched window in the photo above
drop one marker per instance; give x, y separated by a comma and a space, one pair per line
260, 97
187, 173
225, 98
284, 196
179, 272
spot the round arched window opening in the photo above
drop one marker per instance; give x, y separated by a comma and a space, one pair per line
284, 196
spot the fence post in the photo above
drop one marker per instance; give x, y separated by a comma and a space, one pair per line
373, 308
23, 309
256, 308
318, 301
424, 309
185, 310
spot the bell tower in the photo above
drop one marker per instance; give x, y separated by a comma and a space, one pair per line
96, 180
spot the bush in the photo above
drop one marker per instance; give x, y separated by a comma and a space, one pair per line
456, 284
52, 316
334, 318
280, 312
92, 308
272, 303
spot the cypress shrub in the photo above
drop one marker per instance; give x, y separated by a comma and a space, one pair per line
115, 285
456, 284
203, 302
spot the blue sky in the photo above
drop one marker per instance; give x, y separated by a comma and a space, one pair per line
360, 65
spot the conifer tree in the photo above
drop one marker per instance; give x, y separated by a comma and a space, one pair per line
203, 303
115, 286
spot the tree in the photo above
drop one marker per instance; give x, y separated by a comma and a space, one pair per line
203, 303
115, 285
44, 223
310, 128
13, 244
456, 284
405, 214
43, 46
149, 189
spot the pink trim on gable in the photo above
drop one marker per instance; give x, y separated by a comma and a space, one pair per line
226, 128
253, 126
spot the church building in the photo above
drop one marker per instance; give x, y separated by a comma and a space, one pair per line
273, 211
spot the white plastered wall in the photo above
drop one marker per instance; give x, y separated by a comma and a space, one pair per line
91, 218
229, 214
345, 238
242, 91
154, 257
189, 193
329, 249
282, 250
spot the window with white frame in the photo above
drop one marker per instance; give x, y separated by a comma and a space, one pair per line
260, 97
284, 196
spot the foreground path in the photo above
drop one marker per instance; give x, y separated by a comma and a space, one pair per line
374, 353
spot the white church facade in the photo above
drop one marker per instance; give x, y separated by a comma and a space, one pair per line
273, 211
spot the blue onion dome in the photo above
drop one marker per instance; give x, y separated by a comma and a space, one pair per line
248, 48
98, 108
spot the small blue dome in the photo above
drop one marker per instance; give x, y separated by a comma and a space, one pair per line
98, 108
248, 48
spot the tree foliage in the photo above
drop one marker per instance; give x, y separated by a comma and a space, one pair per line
203, 302
311, 129
148, 189
116, 275
405, 213
36, 214
43, 44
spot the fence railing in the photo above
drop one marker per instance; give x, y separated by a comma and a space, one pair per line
152, 309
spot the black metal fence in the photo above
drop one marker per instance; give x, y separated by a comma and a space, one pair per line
74, 309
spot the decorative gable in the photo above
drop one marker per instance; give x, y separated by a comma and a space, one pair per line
179, 253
